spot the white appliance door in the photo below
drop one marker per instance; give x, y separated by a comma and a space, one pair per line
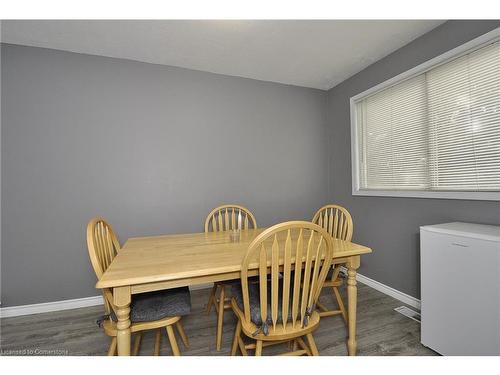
460, 292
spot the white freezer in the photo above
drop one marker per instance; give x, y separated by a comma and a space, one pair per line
460, 288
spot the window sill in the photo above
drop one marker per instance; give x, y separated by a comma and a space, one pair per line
464, 195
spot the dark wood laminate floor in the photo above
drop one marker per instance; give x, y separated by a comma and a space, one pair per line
381, 331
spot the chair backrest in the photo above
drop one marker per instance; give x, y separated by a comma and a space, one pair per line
103, 246
228, 217
336, 220
291, 246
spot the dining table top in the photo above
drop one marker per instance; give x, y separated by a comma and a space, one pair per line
163, 258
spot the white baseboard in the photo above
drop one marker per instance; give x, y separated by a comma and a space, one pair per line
38, 308
400, 296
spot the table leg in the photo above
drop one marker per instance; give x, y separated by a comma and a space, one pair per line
220, 317
352, 291
121, 300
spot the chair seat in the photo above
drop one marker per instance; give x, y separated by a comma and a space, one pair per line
329, 274
288, 332
254, 299
229, 282
253, 279
158, 305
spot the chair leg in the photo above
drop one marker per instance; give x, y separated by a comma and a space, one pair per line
340, 303
241, 345
312, 344
137, 343
220, 317
336, 272
216, 301
182, 333
321, 307
157, 342
211, 299
258, 348
112, 347
173, 341
303, 345
237, 333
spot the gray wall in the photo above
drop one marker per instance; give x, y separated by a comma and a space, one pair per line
150, 148
391, 225
154, 148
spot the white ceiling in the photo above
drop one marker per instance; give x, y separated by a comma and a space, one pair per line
318, 54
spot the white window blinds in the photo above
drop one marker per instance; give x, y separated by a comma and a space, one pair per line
437, 131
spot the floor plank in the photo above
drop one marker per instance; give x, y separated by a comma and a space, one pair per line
381, 331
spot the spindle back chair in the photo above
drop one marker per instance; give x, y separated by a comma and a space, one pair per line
103, 246
298, 255
229, 217
224, 218
338, 222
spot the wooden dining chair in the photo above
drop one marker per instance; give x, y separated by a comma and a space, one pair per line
281, 308
337, 221
224, 218
148, 311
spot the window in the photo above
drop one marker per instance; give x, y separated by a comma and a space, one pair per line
433, 131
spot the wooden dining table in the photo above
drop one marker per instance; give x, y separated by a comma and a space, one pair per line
146, 264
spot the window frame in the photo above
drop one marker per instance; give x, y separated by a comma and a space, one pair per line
461, 50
